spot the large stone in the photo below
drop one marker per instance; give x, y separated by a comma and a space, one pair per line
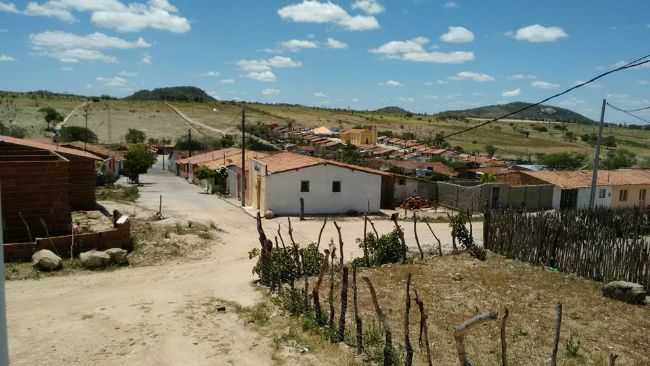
632, 293
268, 214
118, 256
94, 259
46, 260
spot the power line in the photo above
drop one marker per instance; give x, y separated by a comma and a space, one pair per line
634, 63
638, 109
629, 113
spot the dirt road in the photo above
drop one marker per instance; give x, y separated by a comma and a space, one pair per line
160, 315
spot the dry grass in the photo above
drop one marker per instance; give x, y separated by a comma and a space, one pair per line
600, 325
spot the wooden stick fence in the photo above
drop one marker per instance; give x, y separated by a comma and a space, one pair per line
601, 244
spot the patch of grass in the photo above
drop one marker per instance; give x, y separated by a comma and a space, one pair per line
118, 193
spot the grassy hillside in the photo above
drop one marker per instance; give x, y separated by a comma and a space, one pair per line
538, 113
512, 139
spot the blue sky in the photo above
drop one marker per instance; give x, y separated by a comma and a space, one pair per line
423, 55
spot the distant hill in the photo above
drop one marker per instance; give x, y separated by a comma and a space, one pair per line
176, 93
538, 113
392, 110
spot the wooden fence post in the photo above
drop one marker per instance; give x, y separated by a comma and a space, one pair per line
331, 293
320, 233
388, 346
400, 233
504, 346
424, 328
436, 237
357, 317
315, 292
302, 209
407, 310
461, 330
415, 231
556, 340
344, 303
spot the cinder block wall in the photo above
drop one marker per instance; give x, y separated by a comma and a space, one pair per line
38, 190
83, 180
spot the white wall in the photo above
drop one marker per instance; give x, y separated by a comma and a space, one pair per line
584, 195
232, 182
357, 188
557, 197
404, 191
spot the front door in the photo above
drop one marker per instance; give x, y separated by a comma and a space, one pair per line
569, 199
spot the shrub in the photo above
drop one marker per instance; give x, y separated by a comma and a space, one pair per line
388, 249
134, 136
75, 133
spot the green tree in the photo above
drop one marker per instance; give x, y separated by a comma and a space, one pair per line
76, 133
134, 136
51, 115
491, 150
618, 159
138, 160
488, 178
562, 161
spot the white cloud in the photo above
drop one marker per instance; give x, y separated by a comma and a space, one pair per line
8, 7
450, 5
113, 82
113, 14
227, 81
127, 74
537, 33
269, 92
544, 85
511, 93
261, 70
265, 76
213, 74
311, 11
457, 35
320, 95
355, 100
297, 44
473, 76
391, 83
413, 50
73, 48
523, 77
371, 7
147, 60
6, 58
334, 43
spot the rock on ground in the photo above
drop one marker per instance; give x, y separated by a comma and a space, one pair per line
46, 260
632, 293
94, 259
118, 256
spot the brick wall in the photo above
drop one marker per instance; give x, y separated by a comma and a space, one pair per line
118, 237
36, 189
82, 183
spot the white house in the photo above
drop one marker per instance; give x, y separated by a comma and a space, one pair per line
278, 182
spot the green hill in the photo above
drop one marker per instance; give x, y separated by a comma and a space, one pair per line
393, 110
538, 113
176, 93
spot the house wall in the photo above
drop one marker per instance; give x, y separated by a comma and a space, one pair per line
557, 197
478, 197
83, 180
584, 196
632, 196
358, 189
37, 190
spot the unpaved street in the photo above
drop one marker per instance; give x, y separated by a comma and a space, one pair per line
162, 315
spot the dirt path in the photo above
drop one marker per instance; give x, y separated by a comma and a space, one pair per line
72, 113
160, 315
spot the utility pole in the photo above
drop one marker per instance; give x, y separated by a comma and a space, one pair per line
243, 156
4, 350
86, 119
189, 141
594, 174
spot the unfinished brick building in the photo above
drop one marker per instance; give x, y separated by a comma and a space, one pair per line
40, 184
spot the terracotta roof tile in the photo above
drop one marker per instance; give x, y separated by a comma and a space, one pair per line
48, 147
286, 161
209, 156
582, 178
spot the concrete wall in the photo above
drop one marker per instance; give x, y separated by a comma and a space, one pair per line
584, 195
406, 187
633, 195
281, 191
477, 198
37, 190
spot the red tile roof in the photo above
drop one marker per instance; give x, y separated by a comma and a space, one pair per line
287, 161
209, 156
582, 178
48, 147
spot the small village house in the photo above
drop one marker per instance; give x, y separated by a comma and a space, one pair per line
231, 159
278, 182
360, 136
112, 163
572, 189
41, 184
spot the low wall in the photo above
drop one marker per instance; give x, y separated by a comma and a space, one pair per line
118, 237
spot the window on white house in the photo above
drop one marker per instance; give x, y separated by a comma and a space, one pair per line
622, 195
602, 193
642, 195
336, 186
304, 186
